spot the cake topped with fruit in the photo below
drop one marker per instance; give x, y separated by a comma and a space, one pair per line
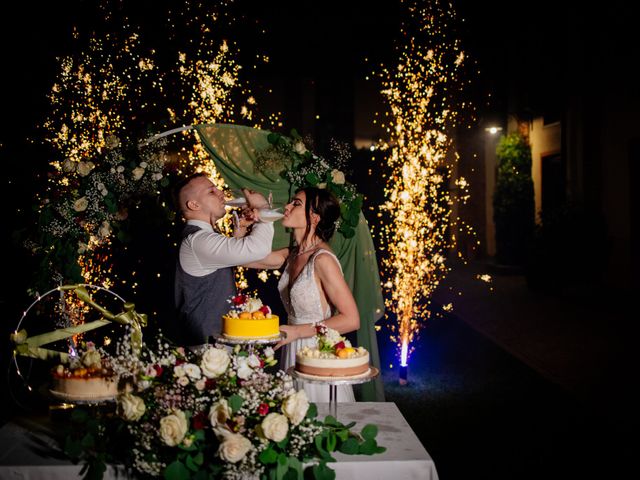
88, 376
249, 318
334, 356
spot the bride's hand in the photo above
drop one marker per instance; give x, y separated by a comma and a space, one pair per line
291, 334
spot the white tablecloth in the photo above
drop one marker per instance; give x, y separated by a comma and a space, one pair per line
28, 452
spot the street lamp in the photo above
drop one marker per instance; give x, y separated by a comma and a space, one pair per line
493, 130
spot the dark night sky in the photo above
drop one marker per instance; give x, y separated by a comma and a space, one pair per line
304, 39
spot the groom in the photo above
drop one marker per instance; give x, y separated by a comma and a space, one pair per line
204, 275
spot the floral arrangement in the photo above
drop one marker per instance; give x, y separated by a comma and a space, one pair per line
302, 168
89, 202
248, 306
331, 342
216, 414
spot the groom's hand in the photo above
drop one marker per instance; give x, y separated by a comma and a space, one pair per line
248, 217
255, 199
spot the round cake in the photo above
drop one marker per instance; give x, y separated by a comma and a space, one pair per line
87, 389
312, 361
250, 319
333, 357
86, 378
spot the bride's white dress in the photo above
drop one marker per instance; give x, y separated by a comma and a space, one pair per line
303, 305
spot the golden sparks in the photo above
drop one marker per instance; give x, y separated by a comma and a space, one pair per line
417, 215
117, 83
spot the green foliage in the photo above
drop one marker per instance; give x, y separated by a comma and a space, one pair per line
513, 200
302, 168
93, 202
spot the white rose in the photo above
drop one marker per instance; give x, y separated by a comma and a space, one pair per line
178, 371
337, 177
105, 229
295, 407
214, 362
253, 304
130, 407
233, 446
219, 413
137, 173
81, 204
183, 381
275, 427
84, 168
91, 359
156, 176
322, 185
299, 148
253, 361
68, 166
112, 142
200, 384
143, 385
244, 370
173, 428
193, 371
269, 352
144, 164
120, 168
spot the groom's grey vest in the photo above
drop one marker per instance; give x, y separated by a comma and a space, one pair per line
201, 301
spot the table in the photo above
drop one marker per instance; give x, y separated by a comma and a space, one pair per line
27, 450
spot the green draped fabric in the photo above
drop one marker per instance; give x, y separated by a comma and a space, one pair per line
233, 149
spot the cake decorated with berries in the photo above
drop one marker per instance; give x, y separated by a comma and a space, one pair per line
334, 356
250, 319
87, 377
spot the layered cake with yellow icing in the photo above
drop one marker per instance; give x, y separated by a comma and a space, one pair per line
333, 357
250, 319
87, 378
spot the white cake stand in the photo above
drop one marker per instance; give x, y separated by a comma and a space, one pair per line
333, 383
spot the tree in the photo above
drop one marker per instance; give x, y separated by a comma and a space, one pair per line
513, 201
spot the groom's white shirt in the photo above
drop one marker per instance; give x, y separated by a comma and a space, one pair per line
206, 251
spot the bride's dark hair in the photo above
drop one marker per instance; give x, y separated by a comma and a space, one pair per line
323, 203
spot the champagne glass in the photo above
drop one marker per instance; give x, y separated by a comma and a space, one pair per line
235, 198
270, 214
273, 213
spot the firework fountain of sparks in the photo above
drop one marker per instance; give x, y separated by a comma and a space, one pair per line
420, 92
117, 81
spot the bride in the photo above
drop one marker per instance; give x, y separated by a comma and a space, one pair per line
312, 287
